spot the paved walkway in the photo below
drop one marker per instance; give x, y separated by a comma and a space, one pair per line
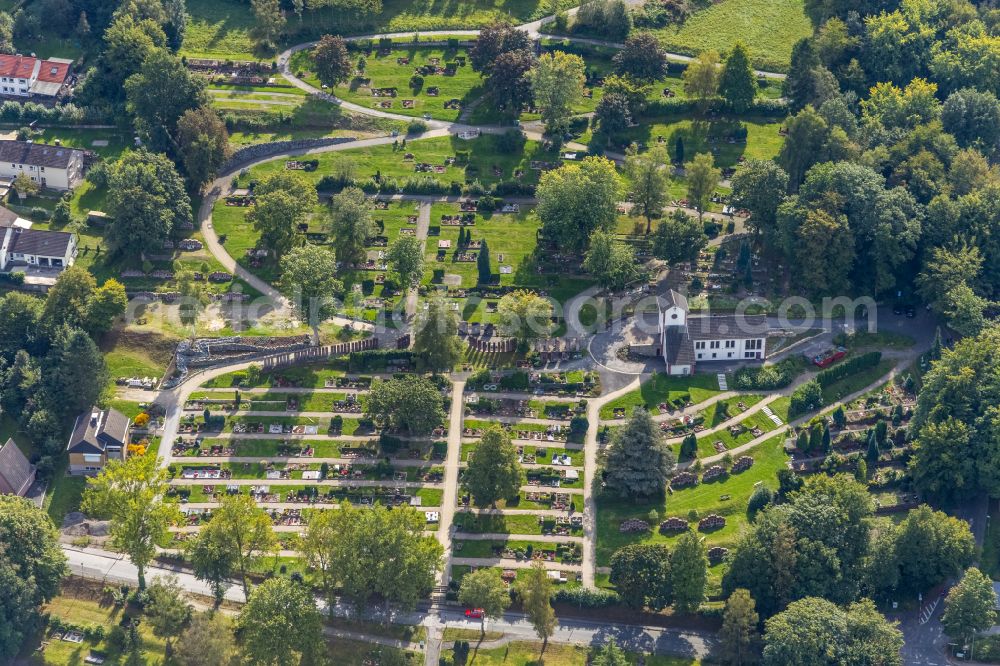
451, 469
423, 225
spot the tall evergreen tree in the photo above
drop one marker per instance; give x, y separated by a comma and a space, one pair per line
483, 264
688, 572
799, 86
738, 82
639, 459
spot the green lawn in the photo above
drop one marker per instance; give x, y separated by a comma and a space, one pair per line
661, 388
511, 239
700, 136
218, 29
486, 162
498, 524
64, 495
222, 29
759, 420
396, 69
84, 606
702, 499
769, 29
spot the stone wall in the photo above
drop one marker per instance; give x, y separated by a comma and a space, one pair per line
249, 154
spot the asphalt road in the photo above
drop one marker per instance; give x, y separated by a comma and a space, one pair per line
103, 566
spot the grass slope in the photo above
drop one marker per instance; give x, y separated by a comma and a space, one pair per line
769, 28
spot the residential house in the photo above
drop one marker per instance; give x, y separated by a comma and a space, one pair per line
54, 167
98, 437
16, 473
686, 340
28, 76
40, 255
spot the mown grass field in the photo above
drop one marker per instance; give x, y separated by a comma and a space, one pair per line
664, 388
769, 29
223, 29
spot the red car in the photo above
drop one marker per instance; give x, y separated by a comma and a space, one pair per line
474, 613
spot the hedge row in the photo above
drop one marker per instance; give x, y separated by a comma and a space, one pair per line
849, 367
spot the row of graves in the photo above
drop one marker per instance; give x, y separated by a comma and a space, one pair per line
483, 406
688, 479
580, 384
565, 553
550, 470
671, 525
385, 96
235, 72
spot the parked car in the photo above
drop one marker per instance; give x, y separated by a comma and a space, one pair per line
474, 613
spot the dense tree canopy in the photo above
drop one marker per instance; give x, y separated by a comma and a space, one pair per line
816, 632
373, 553
31, 568
957, 443
412, 405
147, 201
578, 198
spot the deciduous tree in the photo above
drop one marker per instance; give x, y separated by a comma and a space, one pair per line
702, 178
494, 472
524, 315
640, 573
649, 178
578, 198
147, 201
159, 94
557, 84
411, 404
485, 589
373, 552
642, 57
535, 593
614, 264
31, 568
352, 224
701, 78
759, 186
679, 237
970, 606
243, 529
406, 260
203, 144
435, 335
309, 279
130, 493
280, 624
167, 611
332, 61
